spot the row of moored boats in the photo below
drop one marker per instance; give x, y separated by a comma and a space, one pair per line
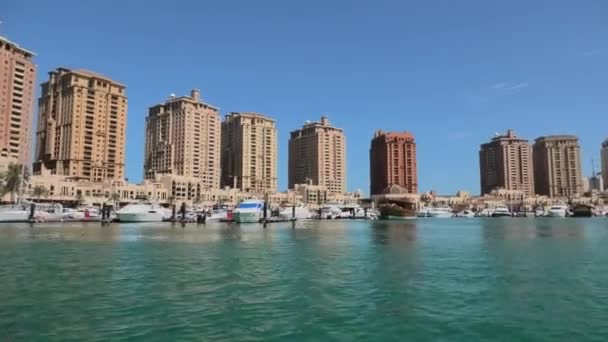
248, 211
556, 210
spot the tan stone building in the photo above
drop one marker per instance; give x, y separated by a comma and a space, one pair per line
557, 166
506, 163
604, 157
17, 82
183, 139
81, 126
249, 152
317, 156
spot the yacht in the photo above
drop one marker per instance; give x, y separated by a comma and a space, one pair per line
466, 213
14, 213
249, 211
330, 211
557, 210
301, 212
355, 211
501, 211
142, 212
217, 215
440, 212
82, 214
539, 212
422, 212
486, 212
43, 212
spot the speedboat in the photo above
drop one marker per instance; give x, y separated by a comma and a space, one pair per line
466, 213
501, 211
300, 211
249, 211
440, 212
142, 212
217, 215
557, 210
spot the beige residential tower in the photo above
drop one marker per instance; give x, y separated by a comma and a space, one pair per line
557, 166
317, 156
249, 152
506, 163
17, 82
183, 139
82, 119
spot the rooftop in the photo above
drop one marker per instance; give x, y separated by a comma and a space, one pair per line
557, 137
194, 98
87, 73
16, 46
251, 115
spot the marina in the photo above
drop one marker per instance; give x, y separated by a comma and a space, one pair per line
317, 279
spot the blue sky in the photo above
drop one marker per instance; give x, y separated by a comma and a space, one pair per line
451, 72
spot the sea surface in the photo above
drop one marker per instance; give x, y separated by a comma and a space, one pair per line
421, 280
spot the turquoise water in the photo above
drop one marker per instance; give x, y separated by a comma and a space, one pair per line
425, 280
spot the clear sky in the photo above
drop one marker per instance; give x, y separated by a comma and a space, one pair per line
451, 72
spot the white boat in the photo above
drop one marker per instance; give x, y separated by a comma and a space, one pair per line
330, 211
301, 212
423, 212
440, 212
539, 212
14, 213
249, 211
142, 212
486, 212
501, 211
355, 211
82, 214
466, 213
43, 212
216, 215
557, 210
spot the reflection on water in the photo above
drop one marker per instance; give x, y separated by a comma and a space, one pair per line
427, 279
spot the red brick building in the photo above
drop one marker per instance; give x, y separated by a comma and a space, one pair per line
393, 162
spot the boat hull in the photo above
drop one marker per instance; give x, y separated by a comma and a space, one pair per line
556, 213
440, 215
398, 218
246, 217
15, 216
501, 215
139, 217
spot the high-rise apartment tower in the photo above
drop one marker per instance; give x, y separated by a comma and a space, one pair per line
82, 119
183, 138
249, 152
317, 156
506, 163
393, 162
17, 82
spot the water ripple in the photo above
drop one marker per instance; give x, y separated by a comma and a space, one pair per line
427, 280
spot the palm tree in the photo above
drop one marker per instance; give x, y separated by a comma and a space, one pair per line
198, 199
13, 178
39, 191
